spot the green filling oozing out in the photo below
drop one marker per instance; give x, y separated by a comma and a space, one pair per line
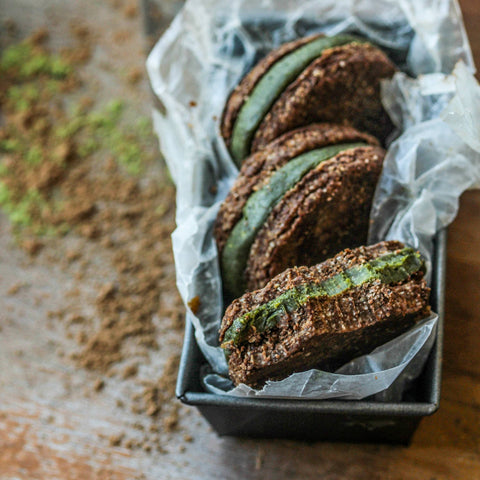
258, 207
271, 85
388, 269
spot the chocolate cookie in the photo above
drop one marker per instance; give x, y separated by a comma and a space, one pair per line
325, 315
241, 92
333, 79
306, 196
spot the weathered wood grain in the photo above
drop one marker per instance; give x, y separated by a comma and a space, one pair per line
54, 426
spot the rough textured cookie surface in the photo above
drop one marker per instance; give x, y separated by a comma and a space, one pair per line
327, 211
342, 86
325, 332
257, 169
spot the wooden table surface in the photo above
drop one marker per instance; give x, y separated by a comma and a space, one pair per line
50, 428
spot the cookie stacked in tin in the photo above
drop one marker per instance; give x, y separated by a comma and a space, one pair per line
305, 127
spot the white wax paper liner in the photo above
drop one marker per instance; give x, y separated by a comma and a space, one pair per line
435, 157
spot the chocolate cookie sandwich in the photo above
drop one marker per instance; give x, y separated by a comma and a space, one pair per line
315, 79
303, 198
326, 315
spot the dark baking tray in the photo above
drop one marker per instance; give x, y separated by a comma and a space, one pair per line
332, 420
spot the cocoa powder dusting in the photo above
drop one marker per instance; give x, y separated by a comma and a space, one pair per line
138, 236
87, 175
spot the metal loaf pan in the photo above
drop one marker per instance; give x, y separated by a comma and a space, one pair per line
330, 420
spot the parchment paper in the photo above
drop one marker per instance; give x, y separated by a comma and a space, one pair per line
210, 45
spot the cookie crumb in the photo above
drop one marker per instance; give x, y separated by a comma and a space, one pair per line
116, 440
194, 304
98, 385
131, 10
32, 246
134, 75
15, 288
129, 371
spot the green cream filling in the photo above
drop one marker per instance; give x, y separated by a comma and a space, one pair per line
388, 269
259, 205
269, 88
